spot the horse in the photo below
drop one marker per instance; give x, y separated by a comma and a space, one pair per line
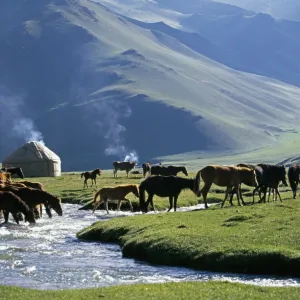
224, 176
123, 166
90, 175
259, 174
168, 171
16, 170
293, 176
34, 185
146, 168
115, 193
11, 203
5, 178
272, 175
165, 186
33, 197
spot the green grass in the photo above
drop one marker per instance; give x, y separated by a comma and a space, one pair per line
173, 291
259, 239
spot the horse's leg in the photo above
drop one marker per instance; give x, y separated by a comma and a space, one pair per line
204, 192
6, 214
95, 182
150, 199
228, 189
130, 204
106, 205
171, 203
277, 193
238, 194
16, 218
255, 190
231, 196
175, 202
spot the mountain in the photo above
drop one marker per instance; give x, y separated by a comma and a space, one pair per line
279, 9
97, 87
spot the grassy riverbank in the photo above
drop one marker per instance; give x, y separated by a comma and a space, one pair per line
173, 291
259, 239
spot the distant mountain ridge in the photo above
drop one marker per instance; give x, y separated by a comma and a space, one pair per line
98, 86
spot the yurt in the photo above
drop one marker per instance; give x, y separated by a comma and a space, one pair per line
35, 159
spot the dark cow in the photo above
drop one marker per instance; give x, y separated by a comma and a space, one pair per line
123, 166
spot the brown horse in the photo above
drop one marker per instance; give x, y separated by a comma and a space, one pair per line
90, 175
225, 176
34, 185
11, 203
168, 170
123, 166
5, 177
146, 168
34, 197
115, 193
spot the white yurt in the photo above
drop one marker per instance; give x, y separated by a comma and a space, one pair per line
35, 159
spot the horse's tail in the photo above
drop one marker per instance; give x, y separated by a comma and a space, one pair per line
82, 174
197, 182
142, 197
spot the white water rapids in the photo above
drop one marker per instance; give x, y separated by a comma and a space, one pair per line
48, 255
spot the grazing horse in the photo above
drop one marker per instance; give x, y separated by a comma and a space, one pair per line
168, 171
293, 175
11, 203
123, 166
90, 175
115, 193
225, 176
272, 175
165, 186
17, 170
34, 197
146, 168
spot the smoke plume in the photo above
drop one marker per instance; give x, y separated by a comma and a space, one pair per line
111, 115
14, 122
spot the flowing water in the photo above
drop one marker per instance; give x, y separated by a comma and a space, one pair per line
48, 255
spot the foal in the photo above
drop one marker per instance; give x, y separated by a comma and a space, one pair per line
115, 193
90, 175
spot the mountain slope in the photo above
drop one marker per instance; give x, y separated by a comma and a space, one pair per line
98, 87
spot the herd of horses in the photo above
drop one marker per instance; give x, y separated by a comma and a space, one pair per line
25, 198
163, 181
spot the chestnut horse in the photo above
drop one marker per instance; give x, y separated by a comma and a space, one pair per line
90, 175
227, 176
34, 197
5, 177
165, 186
11, 203
168, 170
115, 193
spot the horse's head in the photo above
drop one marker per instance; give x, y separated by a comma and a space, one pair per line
29, 217
283, 175
196, 185
184, 171
56, 205
253, 179
98, 171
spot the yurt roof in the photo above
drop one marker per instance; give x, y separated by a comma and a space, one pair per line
31, 152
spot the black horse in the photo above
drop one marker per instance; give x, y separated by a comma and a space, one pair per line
17, 170
293, 175
165, 186
168, 171
272, 175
